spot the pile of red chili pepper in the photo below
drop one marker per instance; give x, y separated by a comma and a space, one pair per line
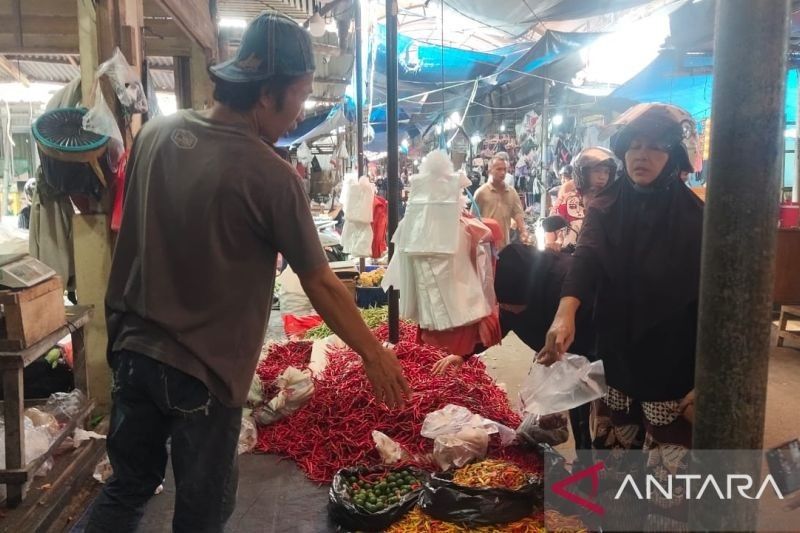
279, 356
334, 430
550, 522
491, 473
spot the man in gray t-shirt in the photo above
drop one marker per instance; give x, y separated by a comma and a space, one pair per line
208, 206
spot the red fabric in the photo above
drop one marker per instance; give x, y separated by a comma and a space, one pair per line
380, 222
118, 188
462, 340
295, 325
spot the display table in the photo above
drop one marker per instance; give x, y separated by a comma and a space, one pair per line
17, 473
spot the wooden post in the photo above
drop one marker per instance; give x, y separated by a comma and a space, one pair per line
183, 81
87, 45
202, 88
14, 429
103, 25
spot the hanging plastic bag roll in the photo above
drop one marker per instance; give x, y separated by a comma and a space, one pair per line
564, 385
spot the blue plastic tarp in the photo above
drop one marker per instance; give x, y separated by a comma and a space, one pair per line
420, 62
685, 80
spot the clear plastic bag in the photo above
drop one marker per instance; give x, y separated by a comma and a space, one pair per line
125, 81
100, 119
460, 448
549, 429
65, 406
564, 385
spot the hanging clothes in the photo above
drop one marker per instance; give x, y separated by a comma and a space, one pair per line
380, 223
118, 192
50, 235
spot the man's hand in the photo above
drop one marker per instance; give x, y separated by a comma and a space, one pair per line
451, 362
384, 373
559, 339
687, 406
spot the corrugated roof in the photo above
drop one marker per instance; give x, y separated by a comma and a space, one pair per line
59, 69
248, 9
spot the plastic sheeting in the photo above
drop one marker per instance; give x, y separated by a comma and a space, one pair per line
685, 80
516, 17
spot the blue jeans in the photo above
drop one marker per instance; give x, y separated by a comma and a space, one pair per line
154, 402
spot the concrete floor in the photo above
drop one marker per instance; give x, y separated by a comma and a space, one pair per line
274, 496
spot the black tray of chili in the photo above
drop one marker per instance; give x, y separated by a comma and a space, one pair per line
373, 498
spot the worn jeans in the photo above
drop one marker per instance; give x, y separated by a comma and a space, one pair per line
154, 402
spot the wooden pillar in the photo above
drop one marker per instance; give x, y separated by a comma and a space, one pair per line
202, 89
87, 45
103, 25
183, 81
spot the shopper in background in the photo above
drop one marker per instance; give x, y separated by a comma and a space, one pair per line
565, 186
208, 207
593, 170
495, 200
638, 260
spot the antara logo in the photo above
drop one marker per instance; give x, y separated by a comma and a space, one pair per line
741, 482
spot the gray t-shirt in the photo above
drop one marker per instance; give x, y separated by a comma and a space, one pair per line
208, 207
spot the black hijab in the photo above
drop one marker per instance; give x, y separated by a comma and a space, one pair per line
647, 241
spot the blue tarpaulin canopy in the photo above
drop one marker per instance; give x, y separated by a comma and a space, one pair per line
685, 80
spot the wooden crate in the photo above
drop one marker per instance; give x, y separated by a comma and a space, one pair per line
31, 314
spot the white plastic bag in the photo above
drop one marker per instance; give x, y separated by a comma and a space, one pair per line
358, 202
460, 448
100, 119
357, 238
103, 470
295, 389
431, 223
389, 450
304, 154
451, 419
247, 435
125, 81
564, 385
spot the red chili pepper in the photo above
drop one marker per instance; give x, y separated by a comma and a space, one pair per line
334, 430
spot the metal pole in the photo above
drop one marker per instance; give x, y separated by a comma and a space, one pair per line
543, 199
392, 173
359, 104
738, 258
359, 90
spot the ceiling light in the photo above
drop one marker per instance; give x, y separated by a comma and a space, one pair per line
228, 22
558, 120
